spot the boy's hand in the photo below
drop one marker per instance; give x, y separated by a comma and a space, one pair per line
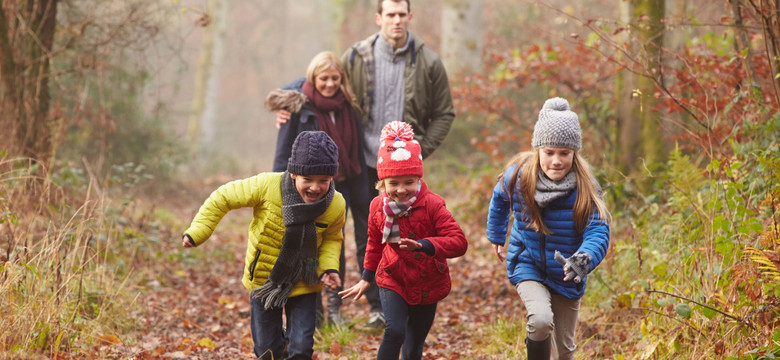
357, 290
409, 244
331, 280
187, 242
282, 116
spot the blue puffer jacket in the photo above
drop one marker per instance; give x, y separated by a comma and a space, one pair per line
530, 253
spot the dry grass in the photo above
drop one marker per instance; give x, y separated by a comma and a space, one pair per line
58, 291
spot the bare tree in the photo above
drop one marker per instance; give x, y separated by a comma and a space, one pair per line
27, 31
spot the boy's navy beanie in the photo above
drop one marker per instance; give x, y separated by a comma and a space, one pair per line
314, 153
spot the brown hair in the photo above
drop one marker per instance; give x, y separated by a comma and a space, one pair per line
324, 61
587, 190
379, 5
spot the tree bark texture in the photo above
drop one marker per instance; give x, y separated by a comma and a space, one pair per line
461, 35
27, 31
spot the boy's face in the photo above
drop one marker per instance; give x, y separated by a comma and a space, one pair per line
401, 188
312, 187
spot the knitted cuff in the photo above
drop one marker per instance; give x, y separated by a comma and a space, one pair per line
368, 275
427, 247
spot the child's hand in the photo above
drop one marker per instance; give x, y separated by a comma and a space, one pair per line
331, 280
187, 242
357, 290
282, 116
499, 252
409, 244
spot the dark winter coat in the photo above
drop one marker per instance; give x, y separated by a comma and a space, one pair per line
302, 118
530, 253
419, 278
427, 100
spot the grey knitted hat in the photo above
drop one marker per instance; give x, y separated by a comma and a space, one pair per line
557, 126
313, 153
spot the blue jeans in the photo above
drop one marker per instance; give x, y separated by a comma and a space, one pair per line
407, 326
268, 335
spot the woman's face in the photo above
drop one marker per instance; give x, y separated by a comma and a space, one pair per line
556, 162
328, 82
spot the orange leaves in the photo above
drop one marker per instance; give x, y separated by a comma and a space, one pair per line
110, 339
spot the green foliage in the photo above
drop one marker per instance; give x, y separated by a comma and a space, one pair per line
116, 130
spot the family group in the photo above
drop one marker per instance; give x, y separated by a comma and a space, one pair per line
353, 134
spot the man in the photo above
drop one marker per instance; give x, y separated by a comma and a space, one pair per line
394, 76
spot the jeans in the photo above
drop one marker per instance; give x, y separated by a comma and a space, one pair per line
268, 335
550, 314
407, 326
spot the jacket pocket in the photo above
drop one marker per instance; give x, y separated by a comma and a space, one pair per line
253, 264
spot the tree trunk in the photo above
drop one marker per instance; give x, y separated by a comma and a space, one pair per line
461, 46
650, 33
196, 131
628, 125
640, 136
24, 95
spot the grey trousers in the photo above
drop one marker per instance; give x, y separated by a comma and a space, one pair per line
550, 314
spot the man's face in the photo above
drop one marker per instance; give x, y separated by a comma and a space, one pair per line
394, 22
312, 187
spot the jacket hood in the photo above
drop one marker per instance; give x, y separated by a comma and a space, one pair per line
289, 100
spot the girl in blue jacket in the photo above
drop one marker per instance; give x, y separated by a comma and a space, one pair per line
560, 232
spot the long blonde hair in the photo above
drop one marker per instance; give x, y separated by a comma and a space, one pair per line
587, 190
324, 61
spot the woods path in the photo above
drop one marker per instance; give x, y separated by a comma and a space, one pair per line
193, 305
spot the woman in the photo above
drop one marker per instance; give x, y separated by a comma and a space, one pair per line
327, 103
560, 232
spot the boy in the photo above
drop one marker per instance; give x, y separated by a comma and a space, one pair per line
294, 241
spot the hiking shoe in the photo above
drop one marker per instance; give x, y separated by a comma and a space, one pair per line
376, 320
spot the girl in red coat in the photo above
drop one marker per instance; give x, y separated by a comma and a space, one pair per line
411, 234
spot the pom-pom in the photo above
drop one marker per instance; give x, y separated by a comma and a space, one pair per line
397, 130
556, 103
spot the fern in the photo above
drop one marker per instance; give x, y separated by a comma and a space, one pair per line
770, 268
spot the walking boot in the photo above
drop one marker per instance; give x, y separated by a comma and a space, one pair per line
538, 350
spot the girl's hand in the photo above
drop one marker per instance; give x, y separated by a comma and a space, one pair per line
409, 244
357, 290
186, 242
499, 249
331, 280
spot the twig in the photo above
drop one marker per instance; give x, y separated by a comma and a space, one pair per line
697, 303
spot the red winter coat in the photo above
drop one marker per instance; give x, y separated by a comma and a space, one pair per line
416, 276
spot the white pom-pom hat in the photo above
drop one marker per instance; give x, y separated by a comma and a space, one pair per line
399, 153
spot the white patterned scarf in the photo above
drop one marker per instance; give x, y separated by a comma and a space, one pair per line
393, 210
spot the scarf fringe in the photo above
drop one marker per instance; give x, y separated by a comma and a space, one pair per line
272, 295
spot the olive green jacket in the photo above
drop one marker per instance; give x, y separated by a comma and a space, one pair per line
427, 99
263, 193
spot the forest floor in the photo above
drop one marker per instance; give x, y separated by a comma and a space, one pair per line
192, 305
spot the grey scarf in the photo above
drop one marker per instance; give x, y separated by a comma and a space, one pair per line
298, 255
547, 190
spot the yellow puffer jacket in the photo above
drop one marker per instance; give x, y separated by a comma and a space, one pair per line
263, 193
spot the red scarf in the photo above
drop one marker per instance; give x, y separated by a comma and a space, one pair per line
343, 131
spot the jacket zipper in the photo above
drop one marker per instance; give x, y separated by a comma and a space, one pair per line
543, 251
253, 264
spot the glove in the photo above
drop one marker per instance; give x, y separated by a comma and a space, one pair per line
578, 265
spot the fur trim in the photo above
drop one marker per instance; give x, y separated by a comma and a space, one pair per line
289, 100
